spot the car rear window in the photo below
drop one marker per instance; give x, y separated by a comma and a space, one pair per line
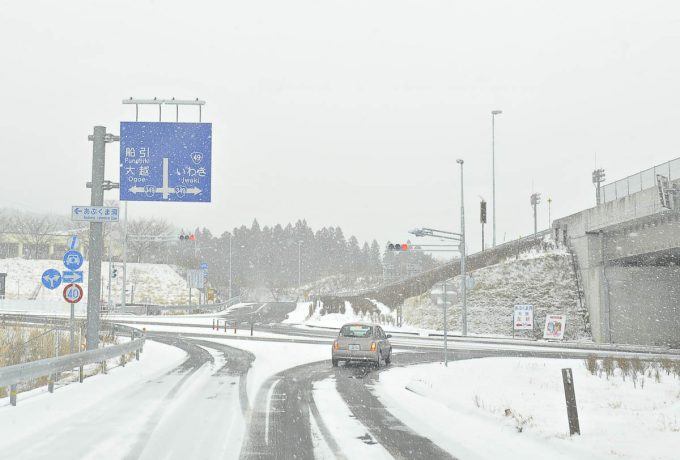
356, 330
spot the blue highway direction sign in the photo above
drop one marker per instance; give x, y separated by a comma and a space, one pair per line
94, 214
72, 277
73, 260
51, 279
165, 161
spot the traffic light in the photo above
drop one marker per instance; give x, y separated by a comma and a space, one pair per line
482, 212
398, 247
189, 237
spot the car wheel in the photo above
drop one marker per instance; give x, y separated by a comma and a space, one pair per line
335, 362
388, 360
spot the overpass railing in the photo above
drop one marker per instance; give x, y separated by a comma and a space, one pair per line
641, 181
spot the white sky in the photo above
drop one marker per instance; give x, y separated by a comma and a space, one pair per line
347, 113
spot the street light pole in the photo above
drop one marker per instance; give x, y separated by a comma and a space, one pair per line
462, 250
230, 293
299, 265
493, 168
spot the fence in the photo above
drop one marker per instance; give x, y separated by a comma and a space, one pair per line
10, 376
640, 181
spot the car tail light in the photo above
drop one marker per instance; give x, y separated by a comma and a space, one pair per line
336, 345
374, 346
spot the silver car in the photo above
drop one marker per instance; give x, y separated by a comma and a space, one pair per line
362, 342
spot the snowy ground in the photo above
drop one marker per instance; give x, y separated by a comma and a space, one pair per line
23, 427
272, 358
153, 283
462, 408
346, 430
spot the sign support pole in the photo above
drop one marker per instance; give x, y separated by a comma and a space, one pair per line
73, 329
94, 289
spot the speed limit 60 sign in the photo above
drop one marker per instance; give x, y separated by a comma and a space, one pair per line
73, 293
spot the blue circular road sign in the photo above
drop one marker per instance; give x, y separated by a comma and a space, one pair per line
73, 260
51, 279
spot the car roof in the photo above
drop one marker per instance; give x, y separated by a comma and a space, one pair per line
360, 323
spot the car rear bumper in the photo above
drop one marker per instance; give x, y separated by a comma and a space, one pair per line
355, 355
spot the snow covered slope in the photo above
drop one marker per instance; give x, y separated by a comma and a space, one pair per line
544, 279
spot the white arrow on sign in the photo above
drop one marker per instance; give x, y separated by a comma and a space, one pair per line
72, 277
166, 190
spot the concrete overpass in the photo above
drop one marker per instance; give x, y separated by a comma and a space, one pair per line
628, 252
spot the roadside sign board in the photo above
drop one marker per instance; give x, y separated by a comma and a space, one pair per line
73, 293
51, 278
73, 260
195, 279
523, 317
72, 277
437, 293
554, 327
165, 161
93, 214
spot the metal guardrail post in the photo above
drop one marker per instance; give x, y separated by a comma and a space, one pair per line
81, 374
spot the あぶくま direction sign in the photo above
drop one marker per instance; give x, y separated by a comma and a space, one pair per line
94, 214
523, 317
51, 278
73, 293
554, 327
162, 161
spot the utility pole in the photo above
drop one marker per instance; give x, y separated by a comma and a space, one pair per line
299, 243
462, 250
94, 289
549, 213
230, 293
493, 168
535, 200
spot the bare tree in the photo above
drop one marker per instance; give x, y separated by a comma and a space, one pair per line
34, 231
140, 236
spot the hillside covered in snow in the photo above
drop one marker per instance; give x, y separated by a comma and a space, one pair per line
146, 283
544, 279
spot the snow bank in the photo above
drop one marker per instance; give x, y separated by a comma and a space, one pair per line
461, 409
319, 317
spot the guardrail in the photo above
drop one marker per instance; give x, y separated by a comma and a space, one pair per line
11, 376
